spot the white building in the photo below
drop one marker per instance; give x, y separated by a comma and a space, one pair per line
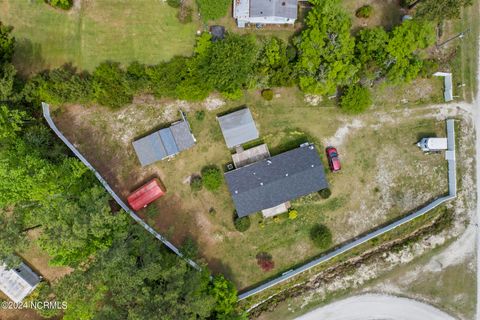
17, 283
265, 12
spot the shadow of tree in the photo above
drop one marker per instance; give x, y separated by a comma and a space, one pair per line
28, 57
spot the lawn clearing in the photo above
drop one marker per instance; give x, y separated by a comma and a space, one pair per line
95, 31
384, 174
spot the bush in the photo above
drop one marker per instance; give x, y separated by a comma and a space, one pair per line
292, 214
267, 94
61, 4
212, 178
110, 85
174, 3
264, 260
200, 115
355, 99
196, 183
242, 224
321, 236
212, 9
364, 12
428, 68
325, 193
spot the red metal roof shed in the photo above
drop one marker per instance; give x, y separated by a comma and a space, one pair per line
146, 194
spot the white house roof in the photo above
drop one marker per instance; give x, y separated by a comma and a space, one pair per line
17, 283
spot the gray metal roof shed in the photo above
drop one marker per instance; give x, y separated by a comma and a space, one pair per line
164, 143
17, 283
270, 182
238, 127
274, 8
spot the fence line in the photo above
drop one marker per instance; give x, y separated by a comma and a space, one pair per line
452, 189
48, 118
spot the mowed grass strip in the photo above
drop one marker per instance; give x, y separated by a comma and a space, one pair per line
118, 30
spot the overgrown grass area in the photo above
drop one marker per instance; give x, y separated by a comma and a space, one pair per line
95, 31
384, 174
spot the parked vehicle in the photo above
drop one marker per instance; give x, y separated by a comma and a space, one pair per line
433, 144
146, 194
333, 160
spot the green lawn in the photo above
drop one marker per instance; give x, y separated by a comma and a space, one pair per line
117, 30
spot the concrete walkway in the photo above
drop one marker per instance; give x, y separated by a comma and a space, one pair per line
376, 307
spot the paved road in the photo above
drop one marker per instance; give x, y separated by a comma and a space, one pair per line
476, 114
376, 307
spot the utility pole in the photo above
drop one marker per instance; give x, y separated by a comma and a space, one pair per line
461, 35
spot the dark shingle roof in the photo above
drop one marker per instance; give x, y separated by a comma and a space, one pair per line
268, 183
164, 143
274, 8
238, 127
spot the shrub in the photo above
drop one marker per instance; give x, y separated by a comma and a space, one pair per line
356, 99
364, 12
212, 211
212, 178
325, 193
110, 85
174, 3
264, 260
242, 224
212, 9
200, 115
61, 4
267, 94
321, 236
292, 214
196, 183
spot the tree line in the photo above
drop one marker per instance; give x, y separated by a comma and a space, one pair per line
120, 270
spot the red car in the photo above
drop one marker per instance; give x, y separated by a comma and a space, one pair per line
333, 161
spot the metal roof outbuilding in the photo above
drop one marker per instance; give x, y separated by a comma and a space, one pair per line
238, 127
17, 283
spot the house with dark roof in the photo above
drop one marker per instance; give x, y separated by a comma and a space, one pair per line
164, 143
19, 282
265, 12
271, 182
238, 127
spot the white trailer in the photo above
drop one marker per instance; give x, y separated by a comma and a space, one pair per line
433, 144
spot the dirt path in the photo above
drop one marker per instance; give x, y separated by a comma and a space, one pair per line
374, 307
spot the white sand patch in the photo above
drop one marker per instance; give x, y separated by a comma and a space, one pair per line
313, 100
213, 103
342, 133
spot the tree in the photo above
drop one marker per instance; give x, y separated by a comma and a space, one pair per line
11, 122
212, 178
12, 237
212, 9
370, 51
402, 64
225, 65
364, 11
74, 229
110, 85
437, 10
61, 4
7, 44
321, 236
139, 279
325, 49
7, 78
225, 295
356, 99
273, 67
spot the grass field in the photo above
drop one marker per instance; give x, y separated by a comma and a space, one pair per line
379, 181
95, 31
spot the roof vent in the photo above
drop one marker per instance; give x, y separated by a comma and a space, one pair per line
236, 191
261, 183
286, 174
311, 147
269, 162
313, 165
